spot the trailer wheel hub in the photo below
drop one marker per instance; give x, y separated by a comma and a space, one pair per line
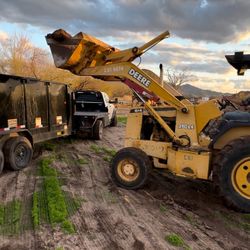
241, 177
128, 170
20, 154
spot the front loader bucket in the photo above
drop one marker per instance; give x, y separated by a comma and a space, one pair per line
70, 51
239, 61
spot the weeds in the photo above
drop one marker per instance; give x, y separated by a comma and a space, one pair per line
49, 146
10, 217
68, 227
52, 200
163, 208
109, 153
175, 240
110, 197
122, 119
230, 221
82, 161
35, 210
1, 215
107, 158
97, 149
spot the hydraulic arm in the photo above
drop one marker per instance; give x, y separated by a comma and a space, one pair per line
85, 55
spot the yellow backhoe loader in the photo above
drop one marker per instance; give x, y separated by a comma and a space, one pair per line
168, 131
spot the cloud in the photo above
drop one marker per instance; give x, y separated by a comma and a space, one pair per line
208, 20
3, 35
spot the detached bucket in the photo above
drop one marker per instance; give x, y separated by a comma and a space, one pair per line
80, 50
239, 61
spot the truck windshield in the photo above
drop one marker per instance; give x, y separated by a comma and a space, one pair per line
88, 97
89, 101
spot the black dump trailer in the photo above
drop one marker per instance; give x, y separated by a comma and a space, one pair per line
31, 111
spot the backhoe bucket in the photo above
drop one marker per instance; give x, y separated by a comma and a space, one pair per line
82, 49
239, 61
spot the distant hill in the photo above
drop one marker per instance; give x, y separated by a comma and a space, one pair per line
189, 90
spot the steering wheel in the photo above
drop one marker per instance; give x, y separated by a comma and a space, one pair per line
225, 102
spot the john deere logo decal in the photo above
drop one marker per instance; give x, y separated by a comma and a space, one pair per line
139, 77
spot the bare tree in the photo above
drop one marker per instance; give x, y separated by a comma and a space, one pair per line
176, 78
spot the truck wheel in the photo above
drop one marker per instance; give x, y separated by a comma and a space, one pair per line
232, 174
1, 161
18, 152
98, 130
114, 121
130, 168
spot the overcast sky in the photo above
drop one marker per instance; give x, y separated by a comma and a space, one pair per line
202, 31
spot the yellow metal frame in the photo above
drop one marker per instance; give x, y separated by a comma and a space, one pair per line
91, 57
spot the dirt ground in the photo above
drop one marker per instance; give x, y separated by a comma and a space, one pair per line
113, 218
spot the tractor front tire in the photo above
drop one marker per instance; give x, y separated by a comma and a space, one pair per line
231, 174
130, 168
18, 152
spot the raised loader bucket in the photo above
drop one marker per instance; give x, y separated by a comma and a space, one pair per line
82, 49
239, 61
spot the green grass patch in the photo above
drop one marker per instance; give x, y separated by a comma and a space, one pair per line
175, 240
1, 215
97, 149
35, 210
234, 221
50, 204
163, 208
55, 199
122, 119
59, 248
49, 146
10, 218
82, 161
107, 158
68, 227
246, 217
110, 197
108, 153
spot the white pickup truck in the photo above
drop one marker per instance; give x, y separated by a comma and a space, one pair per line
92, 112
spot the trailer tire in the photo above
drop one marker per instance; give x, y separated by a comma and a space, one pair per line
1, 161
18, 152
98, 130
130, 168
231, 174
114, 121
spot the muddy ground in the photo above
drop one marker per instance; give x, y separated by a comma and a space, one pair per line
114, 218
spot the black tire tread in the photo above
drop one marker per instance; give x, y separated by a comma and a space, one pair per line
136, 154
218, 163
96, 134
8, 150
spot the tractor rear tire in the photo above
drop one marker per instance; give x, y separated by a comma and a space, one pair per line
98, 130
130, 168
1, 161
231, 174
18, 152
